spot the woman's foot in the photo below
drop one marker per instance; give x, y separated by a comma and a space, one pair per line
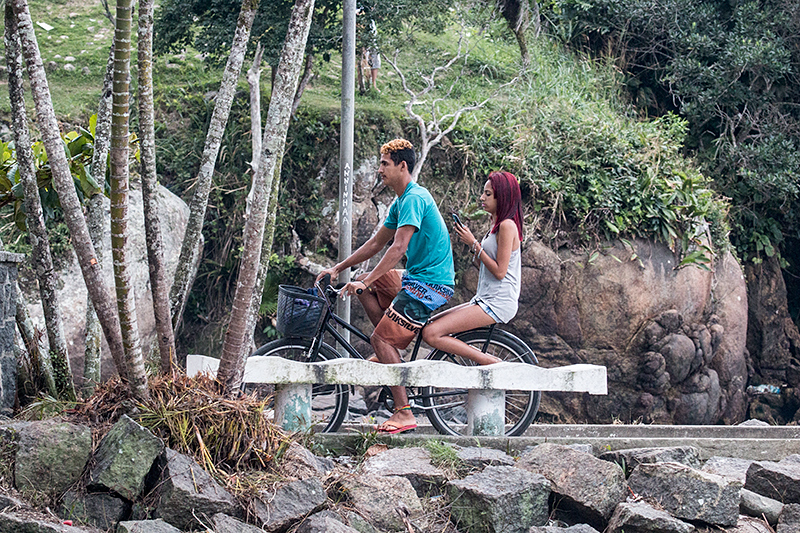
399, 422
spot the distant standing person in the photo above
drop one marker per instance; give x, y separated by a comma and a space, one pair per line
374, 55
498, 256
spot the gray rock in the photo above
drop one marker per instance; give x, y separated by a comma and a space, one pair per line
290, 503
187, 493
728, 467
320, 523
794, 458
227, 524
413, 464
6, 501
578, 528
69, 67
756, 505
86, 71
754, 422
12, 522
51, 456
584, 484
357, 522
789, 522
124, 457
501, 499
779, 481
687, 493
382, 501
146, 526
641, 517
102, 510
631, 458
300, 463
482, 457
747, 524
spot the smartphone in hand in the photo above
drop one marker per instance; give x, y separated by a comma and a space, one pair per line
456, 219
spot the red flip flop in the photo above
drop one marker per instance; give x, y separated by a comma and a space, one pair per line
391, 429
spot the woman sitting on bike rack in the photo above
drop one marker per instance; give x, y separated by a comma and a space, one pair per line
498, 256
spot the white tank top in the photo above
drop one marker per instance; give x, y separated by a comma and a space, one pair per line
501, 295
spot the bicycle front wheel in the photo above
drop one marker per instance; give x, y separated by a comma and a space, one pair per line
328, 402
447, 408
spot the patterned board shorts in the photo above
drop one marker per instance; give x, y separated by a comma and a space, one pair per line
407, 304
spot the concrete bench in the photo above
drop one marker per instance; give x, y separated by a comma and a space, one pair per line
486, 385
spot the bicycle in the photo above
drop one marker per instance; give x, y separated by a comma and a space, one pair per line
304, 319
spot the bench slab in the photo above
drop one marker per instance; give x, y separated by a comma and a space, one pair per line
421, 373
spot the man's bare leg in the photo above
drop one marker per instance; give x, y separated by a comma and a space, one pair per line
369, 300
388, 354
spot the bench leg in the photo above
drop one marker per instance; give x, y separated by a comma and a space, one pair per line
293, 406
486, 412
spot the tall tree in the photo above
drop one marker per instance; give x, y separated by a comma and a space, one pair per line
190, 249
62, 178
96, 220
152, 226
37, 232
231, 365
120, 106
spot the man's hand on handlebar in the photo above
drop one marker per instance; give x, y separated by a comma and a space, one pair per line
332, 272
352, 288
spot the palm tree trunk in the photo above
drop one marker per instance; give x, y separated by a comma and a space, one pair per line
190, 249
39, 360
231, 365
126, 302
147, 136
37, 232
65, 187
96, 220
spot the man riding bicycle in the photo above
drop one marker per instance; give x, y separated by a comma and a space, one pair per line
398, 303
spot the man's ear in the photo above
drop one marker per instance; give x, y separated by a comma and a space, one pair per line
403, 165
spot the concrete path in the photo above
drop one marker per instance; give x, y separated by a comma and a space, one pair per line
758, 443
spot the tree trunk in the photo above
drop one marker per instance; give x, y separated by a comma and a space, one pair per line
518, 17
40, 363
190, 250
254, 81
34, 216
126, 302
263, 268
96, 220
232, 364
308, 70
152, 226
65, 187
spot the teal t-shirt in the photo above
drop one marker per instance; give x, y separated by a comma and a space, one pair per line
429, 255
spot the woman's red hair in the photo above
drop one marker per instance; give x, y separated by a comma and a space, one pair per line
509, 199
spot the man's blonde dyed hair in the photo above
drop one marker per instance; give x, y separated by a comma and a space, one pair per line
395, 146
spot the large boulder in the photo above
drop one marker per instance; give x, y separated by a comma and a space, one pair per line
779, 481
50, 455
413, 464
672, 339
187, 495
585, 487
501, 499
72, 294
385, 502
124, 458
687, 493
290, 504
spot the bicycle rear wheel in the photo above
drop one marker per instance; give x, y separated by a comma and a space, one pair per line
447, 408
328, 402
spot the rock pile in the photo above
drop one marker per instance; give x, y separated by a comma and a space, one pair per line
131, 483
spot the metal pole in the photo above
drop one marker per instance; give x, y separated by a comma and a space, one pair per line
346, 147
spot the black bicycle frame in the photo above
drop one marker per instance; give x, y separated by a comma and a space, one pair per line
326, 326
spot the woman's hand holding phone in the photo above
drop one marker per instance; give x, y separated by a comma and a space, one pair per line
464, 234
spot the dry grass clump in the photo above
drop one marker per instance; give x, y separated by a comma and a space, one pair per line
194, 418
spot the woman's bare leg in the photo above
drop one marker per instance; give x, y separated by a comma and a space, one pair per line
456, 320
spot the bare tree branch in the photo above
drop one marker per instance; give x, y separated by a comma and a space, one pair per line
434, 129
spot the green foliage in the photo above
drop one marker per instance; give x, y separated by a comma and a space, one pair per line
79, 148
731, 69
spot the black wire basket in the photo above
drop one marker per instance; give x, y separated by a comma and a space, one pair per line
299, 313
